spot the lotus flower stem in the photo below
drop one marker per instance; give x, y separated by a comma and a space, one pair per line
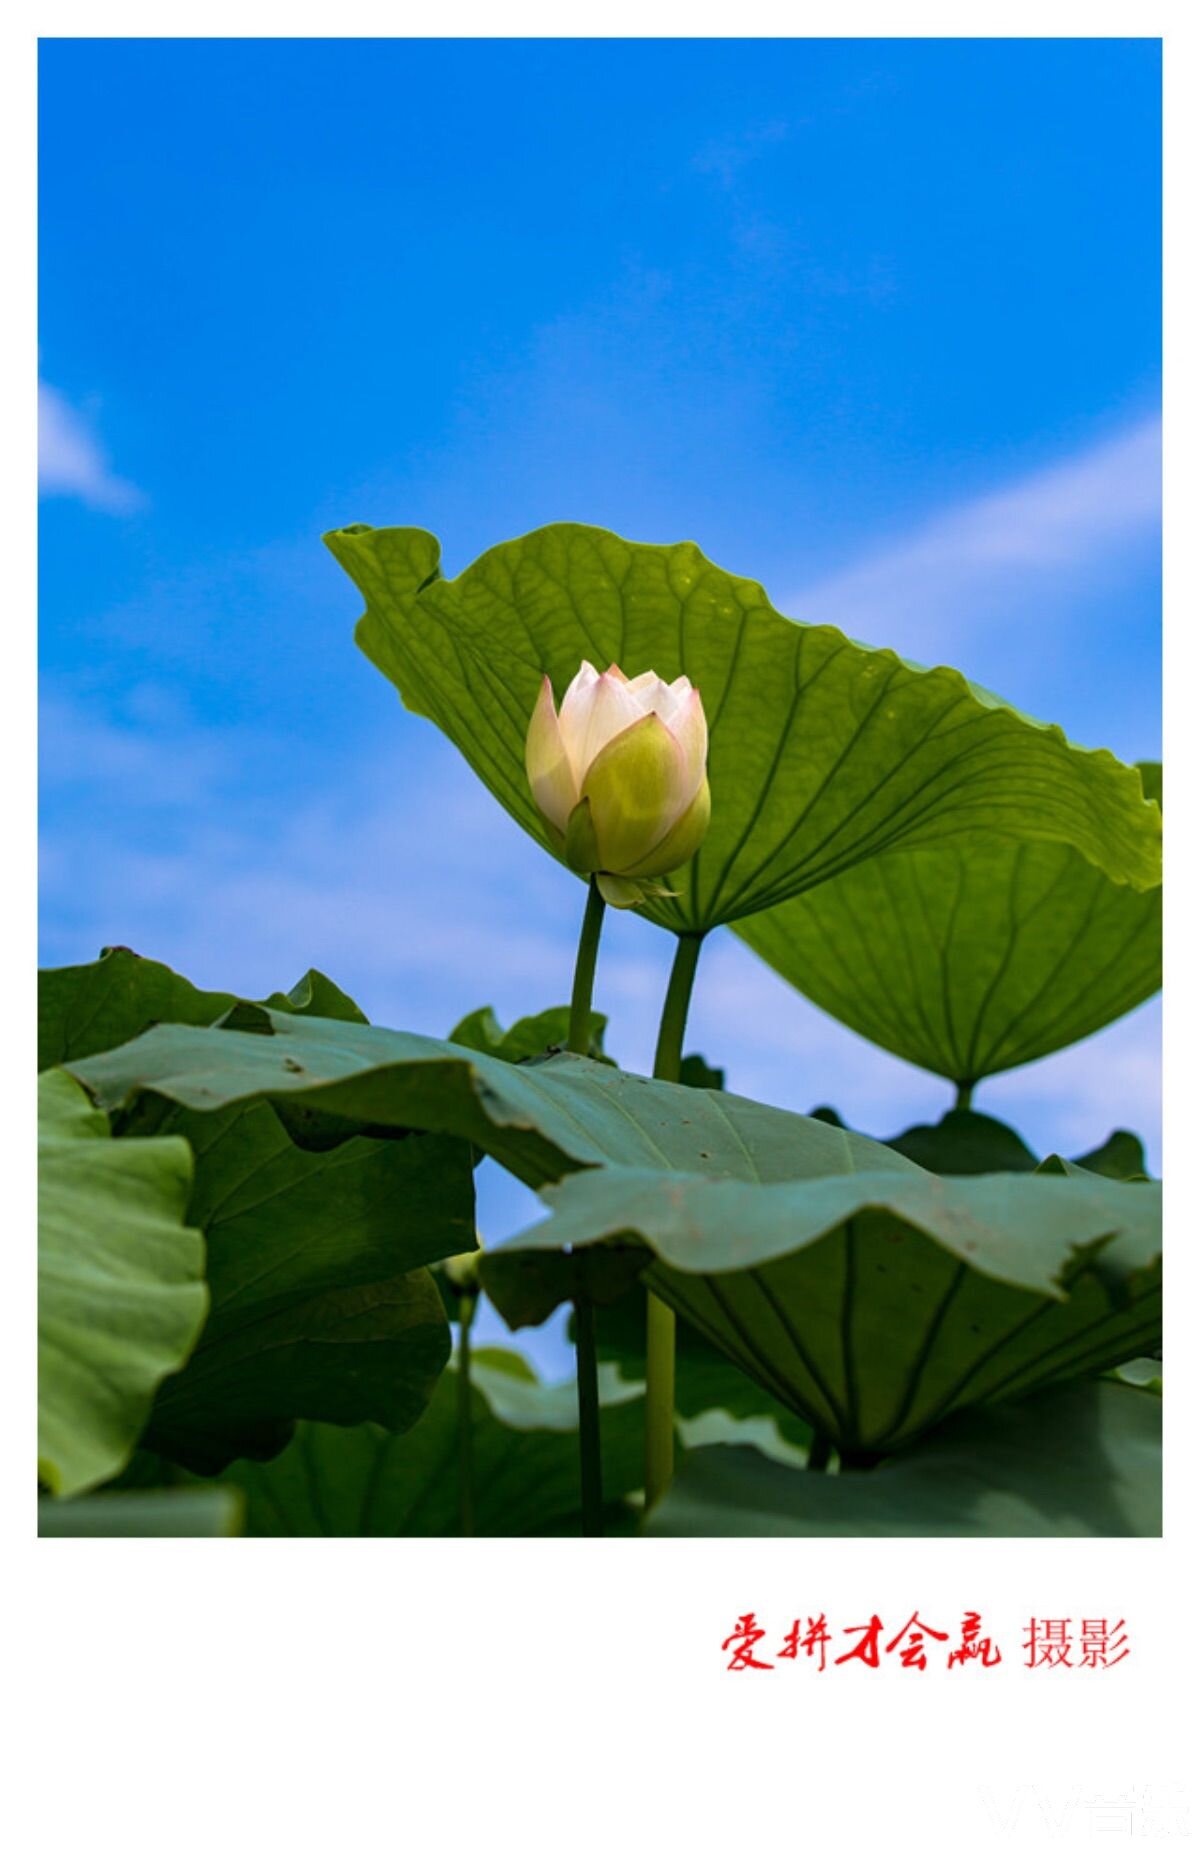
660, 1319
962, 1097
579, 1032
591, 1484
586, 1377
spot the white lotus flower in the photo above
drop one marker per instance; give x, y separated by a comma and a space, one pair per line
619, 776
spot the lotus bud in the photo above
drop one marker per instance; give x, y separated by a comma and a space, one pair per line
461, 1273
618, 773
460, 1276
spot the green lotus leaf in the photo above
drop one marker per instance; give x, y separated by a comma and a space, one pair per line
157, 1514
535, 1036
1123, 1156
974, 955
823, 753
88, 1007
1084, 1459
321, 1303
695, 1070
966, 1143
525, 1463
874, 1305
540, 1121
1145, 1372
321, 1306
121, 1296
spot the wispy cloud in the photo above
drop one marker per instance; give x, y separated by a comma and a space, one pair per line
725, 157
1045, 537
198, 845
72, 461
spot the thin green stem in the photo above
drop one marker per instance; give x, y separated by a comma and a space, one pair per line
660, 1319
962, 1097
587, 1380
466, 1481
579, 1036
668, 1054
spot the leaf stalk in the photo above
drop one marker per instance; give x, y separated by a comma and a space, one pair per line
660, 1318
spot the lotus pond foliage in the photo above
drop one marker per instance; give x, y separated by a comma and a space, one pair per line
259, 1260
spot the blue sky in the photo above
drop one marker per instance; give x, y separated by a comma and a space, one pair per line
876, 322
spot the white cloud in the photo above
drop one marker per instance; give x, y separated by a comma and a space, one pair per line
1017, 549
72, 462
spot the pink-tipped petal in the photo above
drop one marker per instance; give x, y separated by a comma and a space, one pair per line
577, 700
547, 766
690, 730
607, 710
644, 684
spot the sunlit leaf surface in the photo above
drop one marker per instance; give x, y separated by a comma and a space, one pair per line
823, 753
972, 956
121, 1296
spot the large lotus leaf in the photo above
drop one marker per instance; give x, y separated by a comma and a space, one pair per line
1084, 1459
874, 1305
823, 754
540, 1121
525, 1463
974, 955
121, 1296
157, 1514
88, 1007
321, 1306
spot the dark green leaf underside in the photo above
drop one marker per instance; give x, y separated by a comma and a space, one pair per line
874, 1306
1080, 1460
706, 1381
525, 1473
321, 1307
